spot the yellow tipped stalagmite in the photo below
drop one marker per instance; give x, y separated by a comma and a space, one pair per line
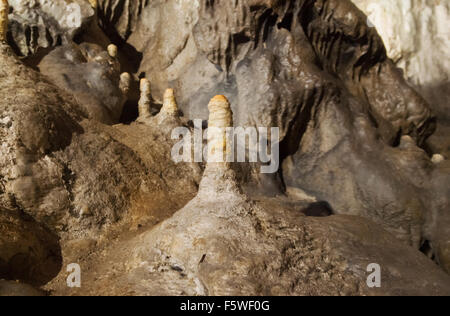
170, 106
4, 11
125, 83
220, 117
144, 101
112, 50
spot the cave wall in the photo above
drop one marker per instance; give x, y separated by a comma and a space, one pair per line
417, 38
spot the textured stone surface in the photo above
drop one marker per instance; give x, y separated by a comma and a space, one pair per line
91, 75
28, 252
417, 38
12, 288
319, 73
4, 10
353, 145
46, 24
244, 246
77, 177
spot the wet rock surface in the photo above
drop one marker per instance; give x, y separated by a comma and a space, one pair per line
360, 180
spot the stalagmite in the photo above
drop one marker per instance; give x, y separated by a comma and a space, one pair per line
219, 177
112, 50
125, 83
170, 106
220, 117
4, 10
169, 109
437, 159
144, 101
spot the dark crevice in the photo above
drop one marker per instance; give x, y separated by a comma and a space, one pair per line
318, 209
286, 23
427, 250
130, 112
108, 23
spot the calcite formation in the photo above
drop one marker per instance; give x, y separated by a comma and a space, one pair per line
4, 11
358, 181
220, 117
170, 106
256, 241
437, 158
145, 99
169, 109
112, 50
125, 83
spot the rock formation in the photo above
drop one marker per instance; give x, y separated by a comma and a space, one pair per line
46, 24
360, 180
423, 54
145, 100
125, 83
112, 50
92, 75
361, 111
239, 246
28, 252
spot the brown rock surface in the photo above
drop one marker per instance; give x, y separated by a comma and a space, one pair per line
357, 182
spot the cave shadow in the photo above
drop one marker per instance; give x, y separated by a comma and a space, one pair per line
318, 209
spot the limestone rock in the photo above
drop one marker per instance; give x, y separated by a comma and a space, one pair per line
356, 185
78, 177
219, 50
417, 38
13, 288
145, 100
4, 11
46, 24
114, 21
28, 252
91, 75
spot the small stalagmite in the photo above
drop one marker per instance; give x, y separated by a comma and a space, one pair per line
112, 50
170, 106
4, 10
437, 159
125, 83
145, 100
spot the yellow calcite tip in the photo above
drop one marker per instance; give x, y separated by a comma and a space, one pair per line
220, 98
